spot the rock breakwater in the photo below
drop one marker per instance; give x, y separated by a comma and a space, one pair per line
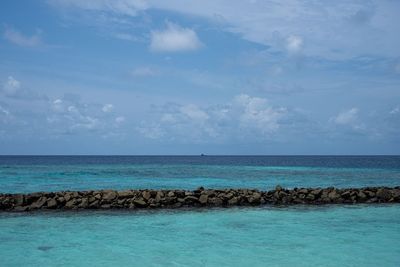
201, 197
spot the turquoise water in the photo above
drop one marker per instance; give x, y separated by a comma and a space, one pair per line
28, 174
301, 236
296, 236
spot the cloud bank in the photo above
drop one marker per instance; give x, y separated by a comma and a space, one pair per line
174, 39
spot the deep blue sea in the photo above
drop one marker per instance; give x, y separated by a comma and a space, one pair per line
337, 235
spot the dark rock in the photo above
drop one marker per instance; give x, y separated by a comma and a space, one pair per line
125, 194
109, 195
21, 208
316, 192
84, 203
310, 197
396, 194
215, 201
233, 201
191, 199
108, 199
361, 196
19, 200
70, 204
303, 191
146, 195
203, 199
383, 194
346, 194
67, 197
52, 203
39, 203
94, 205
140, 203
333, 195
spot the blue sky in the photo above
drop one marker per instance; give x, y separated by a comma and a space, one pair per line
213, 77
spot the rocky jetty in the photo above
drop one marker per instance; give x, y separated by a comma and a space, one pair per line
152, 199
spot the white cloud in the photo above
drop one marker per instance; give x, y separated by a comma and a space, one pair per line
72, 116
107, 108
347, 117
256, 113
12, 88
326, 26
242, 117
20, 39
194, 113
174, 38
294, 44
143, 71
336, 30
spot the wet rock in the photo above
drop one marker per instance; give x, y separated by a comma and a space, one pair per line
333, 195
303, 191
146, 195
346, 194
255, 198
52, 203
140, 203
19, 200
94, 205
316, 192
215, 201
310, 197
109, 195
191, 199
203, 199
361, 196
233, 201
84, 203
108, 199
396, 194
125, 194
383, 194
67, 197
70, 204
39, 203
21, 208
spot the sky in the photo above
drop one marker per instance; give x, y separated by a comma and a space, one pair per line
189, 77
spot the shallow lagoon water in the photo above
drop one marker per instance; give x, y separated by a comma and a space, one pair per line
29, 174
287, 236
334, 235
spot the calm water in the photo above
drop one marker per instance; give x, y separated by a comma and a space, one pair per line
327, 236
27, 174
359, 235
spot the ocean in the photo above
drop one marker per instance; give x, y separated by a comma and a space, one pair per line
335, 235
